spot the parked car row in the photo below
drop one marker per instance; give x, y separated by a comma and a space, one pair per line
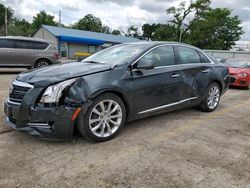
27, 52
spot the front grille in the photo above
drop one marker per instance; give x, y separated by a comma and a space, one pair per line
18, 91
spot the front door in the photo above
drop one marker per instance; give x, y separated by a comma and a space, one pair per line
157, 88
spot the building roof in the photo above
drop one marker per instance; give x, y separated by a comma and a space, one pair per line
76, 33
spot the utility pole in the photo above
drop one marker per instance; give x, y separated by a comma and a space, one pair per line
60, 21
6, 22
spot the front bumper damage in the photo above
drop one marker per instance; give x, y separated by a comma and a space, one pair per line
45, 122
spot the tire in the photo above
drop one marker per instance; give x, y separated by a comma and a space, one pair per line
42, 63
102, 127
211, 99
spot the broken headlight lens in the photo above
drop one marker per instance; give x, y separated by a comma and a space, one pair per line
53, 93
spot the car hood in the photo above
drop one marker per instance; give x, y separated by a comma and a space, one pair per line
237, 70
55, 73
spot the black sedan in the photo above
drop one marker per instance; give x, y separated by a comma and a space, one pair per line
122, 83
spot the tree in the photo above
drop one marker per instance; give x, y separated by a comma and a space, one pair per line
217, 29
106, 29
133, 31
89, 23
43, 18
116, 32
149, 30
10, 13
165, 32
182, 14
20, 27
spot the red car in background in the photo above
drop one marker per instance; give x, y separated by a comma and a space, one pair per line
240, 70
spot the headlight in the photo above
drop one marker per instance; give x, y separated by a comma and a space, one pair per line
53, 93
242, 75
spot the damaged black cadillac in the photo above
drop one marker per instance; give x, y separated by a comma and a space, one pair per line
98, 95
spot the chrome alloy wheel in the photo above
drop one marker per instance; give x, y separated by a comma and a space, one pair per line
213, 97
105, 118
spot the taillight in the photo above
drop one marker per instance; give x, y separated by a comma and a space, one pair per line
56, 55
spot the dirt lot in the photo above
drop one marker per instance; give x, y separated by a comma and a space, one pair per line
186, 148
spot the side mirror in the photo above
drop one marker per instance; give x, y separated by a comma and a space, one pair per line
145, 64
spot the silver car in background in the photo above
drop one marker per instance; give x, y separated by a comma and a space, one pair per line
27, 52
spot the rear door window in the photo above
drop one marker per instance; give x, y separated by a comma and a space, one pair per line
7, 43
25, 44
188, 55
163, 56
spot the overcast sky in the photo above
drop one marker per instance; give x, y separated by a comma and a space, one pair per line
119, 13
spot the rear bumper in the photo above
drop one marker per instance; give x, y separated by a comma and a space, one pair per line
45, 122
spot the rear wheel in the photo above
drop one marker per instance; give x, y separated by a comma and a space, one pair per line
212, 98
42, 63
104, 119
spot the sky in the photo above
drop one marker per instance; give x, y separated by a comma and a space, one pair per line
119, 14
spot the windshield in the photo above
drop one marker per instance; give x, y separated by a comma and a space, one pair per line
116, 54
238, 64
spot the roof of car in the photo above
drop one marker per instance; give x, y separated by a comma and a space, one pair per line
156, 43
25, 38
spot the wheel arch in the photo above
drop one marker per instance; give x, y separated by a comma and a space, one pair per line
219, 83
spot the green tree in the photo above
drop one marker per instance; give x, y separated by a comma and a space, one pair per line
43, 18
20, 27
149, 30
106, 29
185, 16
165, 32
217, 29
89, 23
10, 13
116, 32
133, 31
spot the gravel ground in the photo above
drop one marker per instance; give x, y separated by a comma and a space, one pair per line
185, 148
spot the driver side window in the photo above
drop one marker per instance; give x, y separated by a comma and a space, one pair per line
162, 56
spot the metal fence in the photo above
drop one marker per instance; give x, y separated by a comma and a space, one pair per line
227, 54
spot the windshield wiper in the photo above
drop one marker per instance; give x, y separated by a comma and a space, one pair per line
97, 62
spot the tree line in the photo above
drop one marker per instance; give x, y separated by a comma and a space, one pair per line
196, 23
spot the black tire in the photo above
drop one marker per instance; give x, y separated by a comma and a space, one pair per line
83, 119
204, 106
42, 63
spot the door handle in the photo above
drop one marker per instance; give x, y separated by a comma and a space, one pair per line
175, 75
11, 51
206, 71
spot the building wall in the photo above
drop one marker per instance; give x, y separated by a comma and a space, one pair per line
42, 33
73, 48
67, 49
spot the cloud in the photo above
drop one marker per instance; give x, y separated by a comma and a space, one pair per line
119, 13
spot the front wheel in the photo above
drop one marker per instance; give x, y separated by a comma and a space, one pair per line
104, 118
212, 98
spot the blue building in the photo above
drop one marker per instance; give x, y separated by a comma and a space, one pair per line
72, 42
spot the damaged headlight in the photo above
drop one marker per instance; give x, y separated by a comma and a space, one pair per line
53, 93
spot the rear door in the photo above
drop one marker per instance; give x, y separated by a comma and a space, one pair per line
157, 88
7, 52
196, 71
27, 52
